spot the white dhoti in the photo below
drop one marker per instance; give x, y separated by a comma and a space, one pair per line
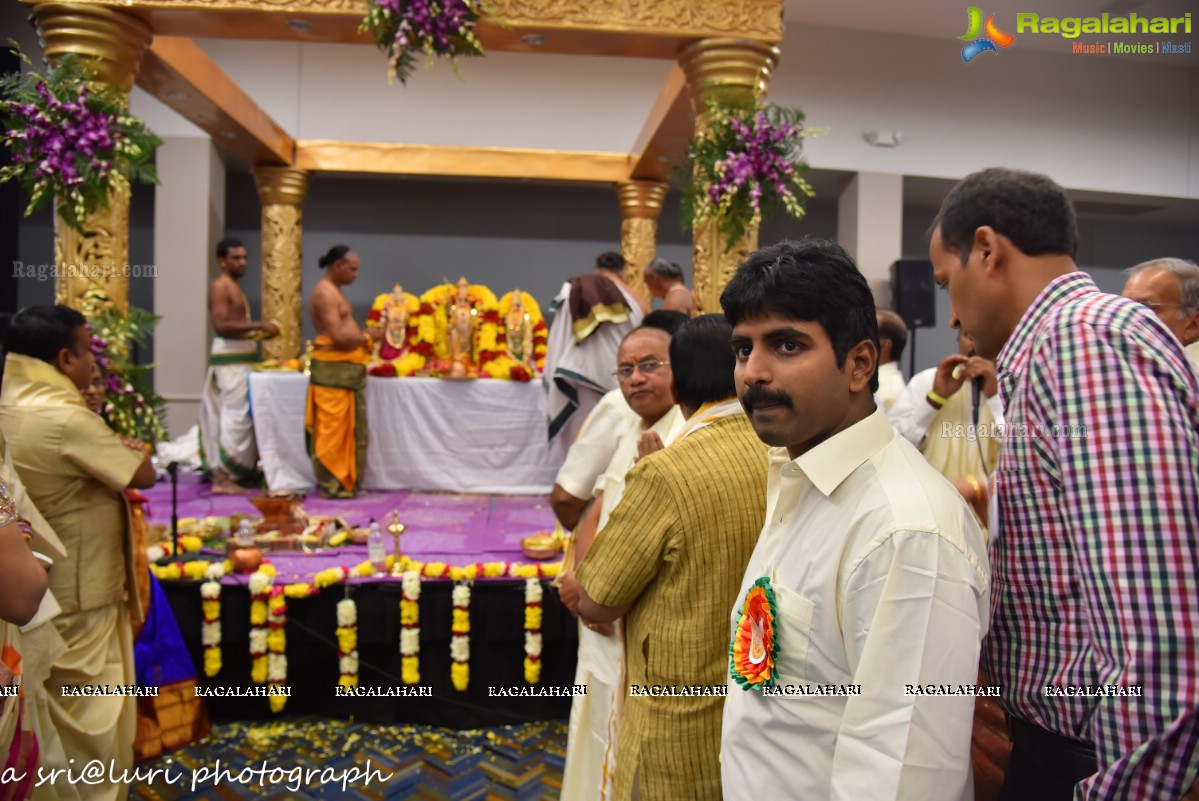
591, 743
99, 652
226, 428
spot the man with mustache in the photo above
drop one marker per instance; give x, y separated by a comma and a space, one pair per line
855, 634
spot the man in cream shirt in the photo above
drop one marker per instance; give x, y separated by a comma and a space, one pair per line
1170, 287
876, 571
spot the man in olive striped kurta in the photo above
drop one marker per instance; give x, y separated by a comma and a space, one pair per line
670, 559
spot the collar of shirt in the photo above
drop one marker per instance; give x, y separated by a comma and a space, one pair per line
832, 461
1015, 353
32, 382
707, 414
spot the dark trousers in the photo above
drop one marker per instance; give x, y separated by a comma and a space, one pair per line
1044, 766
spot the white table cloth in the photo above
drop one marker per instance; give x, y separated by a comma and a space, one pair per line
425, 434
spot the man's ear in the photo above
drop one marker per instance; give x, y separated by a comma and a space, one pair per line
63, 360
1190, 330
989, 247
860, 364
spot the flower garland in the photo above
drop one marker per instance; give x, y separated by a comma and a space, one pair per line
261, 582
131, 407
210, 631
460, 641
405, 28
750, 158
533, 612
347, 642
72, 139
276, 640
395, 362
410, 628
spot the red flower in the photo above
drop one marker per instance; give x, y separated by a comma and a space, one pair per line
384, 370
425, 308
520, 373
374, 316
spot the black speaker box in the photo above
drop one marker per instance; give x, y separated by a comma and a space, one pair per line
914, 293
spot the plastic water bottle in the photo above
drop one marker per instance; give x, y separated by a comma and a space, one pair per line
245, 534
376, 549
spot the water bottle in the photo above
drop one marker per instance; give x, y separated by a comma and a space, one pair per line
376, 549
245, 534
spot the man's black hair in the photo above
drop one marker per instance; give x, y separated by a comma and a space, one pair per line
701, 360
41, 332
610, 261
664, 320
225, 245
813, 280
1029, 209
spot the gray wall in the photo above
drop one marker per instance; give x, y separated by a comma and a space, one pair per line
1107, 245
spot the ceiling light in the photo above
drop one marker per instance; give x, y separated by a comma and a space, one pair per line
533, 39
299, 25
883, 138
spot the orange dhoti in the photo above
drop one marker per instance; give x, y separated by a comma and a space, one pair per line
335, 422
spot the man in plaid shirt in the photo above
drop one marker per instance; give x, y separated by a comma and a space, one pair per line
1095, 597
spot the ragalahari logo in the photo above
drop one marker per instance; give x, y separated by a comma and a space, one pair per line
981, 44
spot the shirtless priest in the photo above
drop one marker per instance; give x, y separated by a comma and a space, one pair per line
335, 423
226, 430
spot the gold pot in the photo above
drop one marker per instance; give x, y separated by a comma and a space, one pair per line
539, 547
245, 558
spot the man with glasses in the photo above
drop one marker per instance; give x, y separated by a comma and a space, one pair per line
1170, 287
668, 561
643, 370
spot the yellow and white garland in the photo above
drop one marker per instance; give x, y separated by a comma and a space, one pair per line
210, 631
533, 612
460, 641
347, 642
261, 582
276, 640
410, 628
412, 361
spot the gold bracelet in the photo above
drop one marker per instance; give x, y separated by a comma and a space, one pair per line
937, 399
974, 486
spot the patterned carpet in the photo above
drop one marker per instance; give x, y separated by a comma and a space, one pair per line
310, 758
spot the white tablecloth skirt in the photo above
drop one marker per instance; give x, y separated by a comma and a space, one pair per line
425, 434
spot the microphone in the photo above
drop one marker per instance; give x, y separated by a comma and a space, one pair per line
976, 389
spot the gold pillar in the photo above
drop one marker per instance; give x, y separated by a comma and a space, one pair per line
640, 205
732, 70
115, 42
281, 190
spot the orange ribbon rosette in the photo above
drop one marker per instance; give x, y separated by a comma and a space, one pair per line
754, 649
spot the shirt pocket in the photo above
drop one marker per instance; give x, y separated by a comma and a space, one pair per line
795, 614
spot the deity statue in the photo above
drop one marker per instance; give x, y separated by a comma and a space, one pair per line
461, 332
518, 328
395, 320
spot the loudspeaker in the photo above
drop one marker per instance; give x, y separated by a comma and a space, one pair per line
914, 292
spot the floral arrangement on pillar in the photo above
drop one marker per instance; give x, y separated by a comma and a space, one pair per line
749, 162
72, 139
405, 29
131, 407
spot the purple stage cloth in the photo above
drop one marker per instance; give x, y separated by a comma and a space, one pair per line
442, 527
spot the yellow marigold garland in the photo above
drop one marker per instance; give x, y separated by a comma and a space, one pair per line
347, 635
410, 628
434, 325
260, 593
460, 641
533, 612
210, 604
276, 640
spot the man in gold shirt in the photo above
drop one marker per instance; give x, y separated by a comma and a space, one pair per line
669, 560
74, 469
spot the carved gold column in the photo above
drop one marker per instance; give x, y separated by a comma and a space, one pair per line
115, 42
281, 190
640, 206
733, 70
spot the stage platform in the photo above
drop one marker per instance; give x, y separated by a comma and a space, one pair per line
455, 529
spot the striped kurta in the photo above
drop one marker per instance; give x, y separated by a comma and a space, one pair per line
676, 548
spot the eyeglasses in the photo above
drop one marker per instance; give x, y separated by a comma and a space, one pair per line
647, 367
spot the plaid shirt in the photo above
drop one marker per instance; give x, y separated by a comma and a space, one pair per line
1096, 562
